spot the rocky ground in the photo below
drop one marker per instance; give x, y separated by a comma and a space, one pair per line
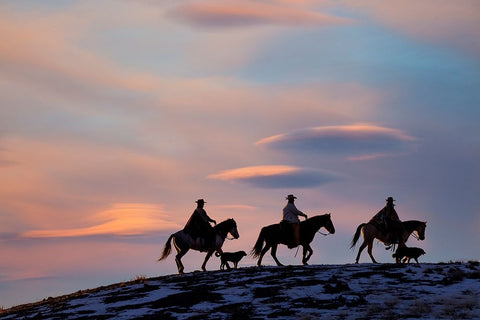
364, 291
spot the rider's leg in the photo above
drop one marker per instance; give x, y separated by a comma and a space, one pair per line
296, 233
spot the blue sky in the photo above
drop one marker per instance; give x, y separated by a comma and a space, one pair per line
117, 116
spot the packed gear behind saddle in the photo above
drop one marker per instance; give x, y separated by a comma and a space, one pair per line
387, 221
198, 226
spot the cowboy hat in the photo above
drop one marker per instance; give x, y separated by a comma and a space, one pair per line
290, 196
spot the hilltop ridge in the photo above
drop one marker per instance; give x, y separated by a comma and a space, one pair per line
364, 291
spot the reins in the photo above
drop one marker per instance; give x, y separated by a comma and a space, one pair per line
413, 234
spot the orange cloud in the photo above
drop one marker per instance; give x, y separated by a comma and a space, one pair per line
123, 219
255, 171
245, 13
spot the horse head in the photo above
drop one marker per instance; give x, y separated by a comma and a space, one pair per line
320, 221
421, 230
228, 226
233, 230
329, 224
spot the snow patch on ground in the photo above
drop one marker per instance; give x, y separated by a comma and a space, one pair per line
365, 291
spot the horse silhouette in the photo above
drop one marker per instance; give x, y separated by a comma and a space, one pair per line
184, 242
371, 232
273, 235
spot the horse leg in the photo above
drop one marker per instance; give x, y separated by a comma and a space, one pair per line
178, 257
264, 250
307, 253
364, 244
209, 254
369, 250
274, 255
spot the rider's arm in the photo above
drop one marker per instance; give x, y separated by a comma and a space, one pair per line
299, 213
207, 218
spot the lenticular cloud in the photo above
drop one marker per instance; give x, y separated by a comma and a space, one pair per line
362, 141
277, 176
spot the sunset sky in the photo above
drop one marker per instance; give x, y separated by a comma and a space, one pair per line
117, 115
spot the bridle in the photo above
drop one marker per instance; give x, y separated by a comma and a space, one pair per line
323, 234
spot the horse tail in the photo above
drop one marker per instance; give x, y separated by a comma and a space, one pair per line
357, 235
167, 249
257, 249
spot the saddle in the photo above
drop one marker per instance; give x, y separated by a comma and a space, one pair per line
390, 231
206, 238
286, 228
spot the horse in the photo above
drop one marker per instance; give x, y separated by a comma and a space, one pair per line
184, 242
371, 231
273, 235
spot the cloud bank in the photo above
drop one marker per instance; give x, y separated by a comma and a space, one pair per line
359, 141
220, 14
277, 176
123, 219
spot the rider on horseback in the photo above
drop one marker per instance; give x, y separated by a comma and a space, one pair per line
388, 221
198, 226
290, 216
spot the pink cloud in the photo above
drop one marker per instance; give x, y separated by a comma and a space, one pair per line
246, 13
124, 219
276, 176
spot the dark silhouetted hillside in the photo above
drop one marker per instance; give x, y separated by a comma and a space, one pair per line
364, 291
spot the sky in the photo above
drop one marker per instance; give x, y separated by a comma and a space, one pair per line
116, 116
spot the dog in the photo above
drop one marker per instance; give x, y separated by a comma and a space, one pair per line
234, 257
407, 253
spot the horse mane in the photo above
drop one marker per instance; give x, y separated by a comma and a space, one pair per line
224, 226
318, 217
410, 225
315, 222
